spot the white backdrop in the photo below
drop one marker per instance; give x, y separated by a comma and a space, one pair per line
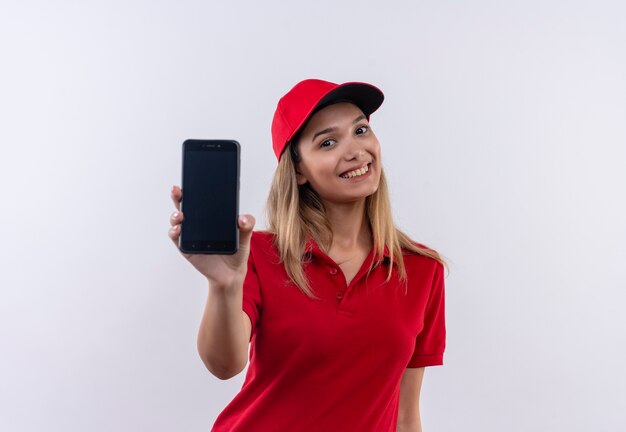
504, 138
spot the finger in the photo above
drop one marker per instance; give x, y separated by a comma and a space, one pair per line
176, 218
246, 225
174, 234
176, 195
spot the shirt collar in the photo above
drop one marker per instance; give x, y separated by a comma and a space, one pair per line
312, 249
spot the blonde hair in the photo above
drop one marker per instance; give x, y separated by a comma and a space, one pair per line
294, 212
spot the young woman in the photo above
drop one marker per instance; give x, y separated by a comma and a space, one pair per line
341, 310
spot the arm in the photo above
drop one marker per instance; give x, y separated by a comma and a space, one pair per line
225, 328
409, 406
224, 332
429, 347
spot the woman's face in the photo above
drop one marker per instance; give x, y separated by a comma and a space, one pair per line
340, 155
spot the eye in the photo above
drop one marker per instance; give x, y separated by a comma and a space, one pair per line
362, 129
327, 143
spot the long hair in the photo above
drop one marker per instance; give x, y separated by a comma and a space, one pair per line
294, 212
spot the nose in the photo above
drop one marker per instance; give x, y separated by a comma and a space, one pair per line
355, 151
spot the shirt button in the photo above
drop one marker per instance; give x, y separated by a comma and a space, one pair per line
339, 295
333, 271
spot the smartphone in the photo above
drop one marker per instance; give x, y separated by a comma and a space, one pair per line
210, 203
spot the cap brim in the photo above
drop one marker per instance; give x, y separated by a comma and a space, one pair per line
366, 96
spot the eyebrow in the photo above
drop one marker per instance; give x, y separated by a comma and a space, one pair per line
332, 129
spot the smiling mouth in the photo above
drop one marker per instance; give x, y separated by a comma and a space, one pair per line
356, 173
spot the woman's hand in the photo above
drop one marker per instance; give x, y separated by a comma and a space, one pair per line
220, 270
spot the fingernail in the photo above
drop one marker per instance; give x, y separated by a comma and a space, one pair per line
175, 215
244, 220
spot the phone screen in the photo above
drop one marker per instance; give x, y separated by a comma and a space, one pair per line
210, 196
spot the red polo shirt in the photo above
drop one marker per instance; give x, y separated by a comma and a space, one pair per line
333, 363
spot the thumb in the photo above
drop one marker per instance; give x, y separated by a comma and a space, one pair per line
246, 224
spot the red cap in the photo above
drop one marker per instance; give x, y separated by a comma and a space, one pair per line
300, 102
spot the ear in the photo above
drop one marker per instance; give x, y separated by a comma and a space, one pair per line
300, 178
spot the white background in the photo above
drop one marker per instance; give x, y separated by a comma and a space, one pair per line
503, 134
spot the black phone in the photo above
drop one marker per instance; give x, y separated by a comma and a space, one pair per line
210, 203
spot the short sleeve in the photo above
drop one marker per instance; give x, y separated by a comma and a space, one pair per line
431, 342
252, 293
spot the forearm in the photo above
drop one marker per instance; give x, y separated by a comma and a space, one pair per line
222, 339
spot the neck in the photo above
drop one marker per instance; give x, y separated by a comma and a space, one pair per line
350, 226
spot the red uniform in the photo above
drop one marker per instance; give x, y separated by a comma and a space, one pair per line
333, 363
